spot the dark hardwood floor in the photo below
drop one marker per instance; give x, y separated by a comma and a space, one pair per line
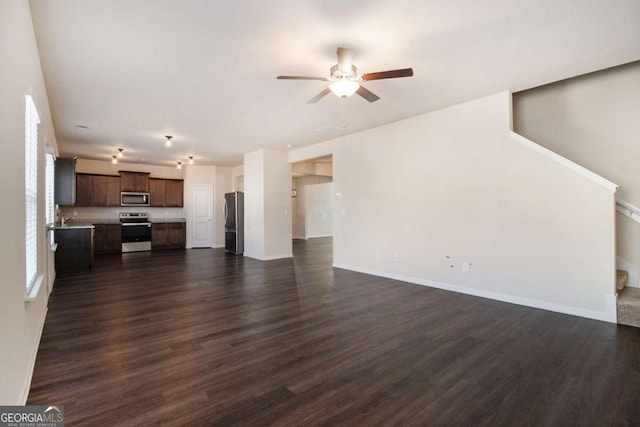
198, 337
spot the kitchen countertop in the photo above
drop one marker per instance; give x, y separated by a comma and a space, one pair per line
89, 222
161, 220
71, 226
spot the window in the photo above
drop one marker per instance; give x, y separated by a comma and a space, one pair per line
50, 214
31, 190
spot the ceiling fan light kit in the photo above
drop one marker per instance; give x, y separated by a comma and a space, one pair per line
345, 80
344, 88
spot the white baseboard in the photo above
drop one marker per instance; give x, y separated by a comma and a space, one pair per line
270, 257
32, 361
609, 315
634, 279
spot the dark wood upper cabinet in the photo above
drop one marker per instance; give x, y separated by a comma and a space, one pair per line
104, 190
158, 192
135, 182
97, 190
113, 191
166, 192
65, 181
84, 190
175, 193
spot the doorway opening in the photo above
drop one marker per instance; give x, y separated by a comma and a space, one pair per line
312, 204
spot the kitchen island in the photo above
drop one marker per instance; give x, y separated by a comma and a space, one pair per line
75, 247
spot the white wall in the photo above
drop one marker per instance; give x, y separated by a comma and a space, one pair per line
319, 210
456, 184
593, 121
267, 221
254, 204
20, 322
237, 177
299, 203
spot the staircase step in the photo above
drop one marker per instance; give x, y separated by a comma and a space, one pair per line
629, 307
622, 277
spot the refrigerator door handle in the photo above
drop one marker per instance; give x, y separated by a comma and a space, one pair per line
226, 211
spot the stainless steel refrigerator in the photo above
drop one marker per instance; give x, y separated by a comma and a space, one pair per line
234, 222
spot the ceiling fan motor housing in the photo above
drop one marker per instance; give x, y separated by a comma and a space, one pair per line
337, 74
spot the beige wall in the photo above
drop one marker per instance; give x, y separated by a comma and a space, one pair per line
108, 168
298, 203
593, 121
458, 188
267, 196
20, 322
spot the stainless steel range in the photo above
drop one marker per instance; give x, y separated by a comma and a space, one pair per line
136, 231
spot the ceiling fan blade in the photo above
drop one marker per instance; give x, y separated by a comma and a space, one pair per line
319, 96
367, 94
324, 79
345, 59
392, 74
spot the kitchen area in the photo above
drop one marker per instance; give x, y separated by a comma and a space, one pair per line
111, 212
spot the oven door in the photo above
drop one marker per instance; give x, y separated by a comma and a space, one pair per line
136, 237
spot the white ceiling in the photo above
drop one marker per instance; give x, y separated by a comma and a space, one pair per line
204, 70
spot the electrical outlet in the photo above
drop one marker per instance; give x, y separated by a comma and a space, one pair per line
466, 266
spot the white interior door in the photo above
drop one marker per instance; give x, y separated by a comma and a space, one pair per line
202, 216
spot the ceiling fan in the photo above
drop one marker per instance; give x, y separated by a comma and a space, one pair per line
345, 80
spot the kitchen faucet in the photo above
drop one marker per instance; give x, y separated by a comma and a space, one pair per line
62, 222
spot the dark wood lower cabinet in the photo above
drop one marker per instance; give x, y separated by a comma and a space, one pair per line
168, 235
107, 238
75, 249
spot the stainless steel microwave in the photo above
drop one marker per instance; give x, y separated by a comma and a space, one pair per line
134, 199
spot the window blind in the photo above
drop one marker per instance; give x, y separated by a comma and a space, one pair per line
50, 216
31, 190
